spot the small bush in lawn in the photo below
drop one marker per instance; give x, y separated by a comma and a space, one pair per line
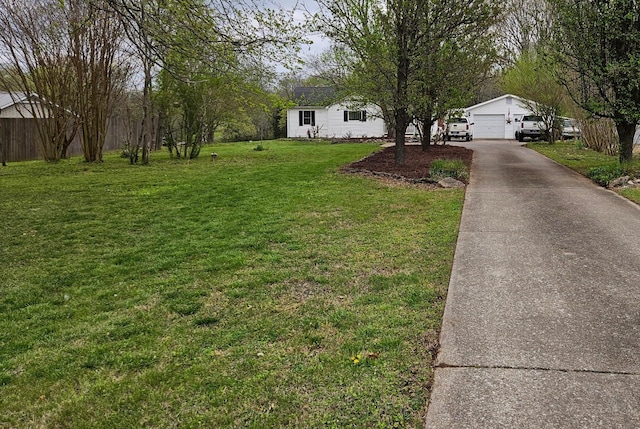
126, 151
604, 174
441, 168
259, 148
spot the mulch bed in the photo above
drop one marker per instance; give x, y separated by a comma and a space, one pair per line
417, 163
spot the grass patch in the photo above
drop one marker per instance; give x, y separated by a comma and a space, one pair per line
601, 168
573, 155
230, 293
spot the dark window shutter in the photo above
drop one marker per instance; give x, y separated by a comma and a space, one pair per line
300, 116
346, 116
364, 115
313, 118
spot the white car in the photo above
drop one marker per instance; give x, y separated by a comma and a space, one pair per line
459, 128
570, 129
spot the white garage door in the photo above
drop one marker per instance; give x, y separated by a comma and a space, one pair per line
488, 126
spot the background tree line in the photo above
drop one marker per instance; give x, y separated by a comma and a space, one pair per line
419, 59
189, 70
579, 58
186, 69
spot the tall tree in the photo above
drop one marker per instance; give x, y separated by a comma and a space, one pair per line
381, 37
143, 22
95, 40
599, 49
454, 55
35, 61
395, 43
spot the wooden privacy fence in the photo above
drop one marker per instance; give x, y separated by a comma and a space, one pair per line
19, 139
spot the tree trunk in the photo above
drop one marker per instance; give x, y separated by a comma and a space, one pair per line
147, 125
402, 120
389, 121
426, 133
160, 129
400, 97
626, 132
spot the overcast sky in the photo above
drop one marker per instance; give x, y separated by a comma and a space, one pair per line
319, 42
288, 4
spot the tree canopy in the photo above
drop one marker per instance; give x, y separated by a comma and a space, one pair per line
77, 55
413, 58
534, 77
598, 46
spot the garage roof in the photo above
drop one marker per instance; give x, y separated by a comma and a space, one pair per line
493, 100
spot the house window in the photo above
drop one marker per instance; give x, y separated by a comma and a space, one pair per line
360, 115
307, 117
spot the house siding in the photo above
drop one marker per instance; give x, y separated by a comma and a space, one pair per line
17, 111
331, 124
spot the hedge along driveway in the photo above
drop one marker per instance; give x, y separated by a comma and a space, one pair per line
264, 289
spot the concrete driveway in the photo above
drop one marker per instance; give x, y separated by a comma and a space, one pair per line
542, 321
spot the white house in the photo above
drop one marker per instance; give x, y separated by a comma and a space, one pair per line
320, 114
497, 118
15, 105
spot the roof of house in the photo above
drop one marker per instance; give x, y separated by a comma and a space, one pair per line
7, 99
484, 103
315, 95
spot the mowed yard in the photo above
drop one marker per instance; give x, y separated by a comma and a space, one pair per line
265, 289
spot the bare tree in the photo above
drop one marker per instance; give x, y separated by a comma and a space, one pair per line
95, 40
64, 57
35, 58
526, 24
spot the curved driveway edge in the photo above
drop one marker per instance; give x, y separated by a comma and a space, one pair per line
542, 321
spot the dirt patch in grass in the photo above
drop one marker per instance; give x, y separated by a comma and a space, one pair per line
417, 161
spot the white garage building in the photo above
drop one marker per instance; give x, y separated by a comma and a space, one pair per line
497, 118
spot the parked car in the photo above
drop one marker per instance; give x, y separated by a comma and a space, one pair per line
459, 127
570, 129
531, 126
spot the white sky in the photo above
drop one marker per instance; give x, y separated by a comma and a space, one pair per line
320, 43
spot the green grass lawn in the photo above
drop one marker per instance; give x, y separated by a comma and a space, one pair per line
264, 289
582, 160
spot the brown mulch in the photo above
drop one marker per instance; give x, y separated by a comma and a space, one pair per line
417, 163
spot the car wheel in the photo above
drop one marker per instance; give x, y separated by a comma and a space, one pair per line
520, 137
468, 138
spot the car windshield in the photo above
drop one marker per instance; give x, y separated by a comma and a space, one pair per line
458, 120
569, 123
532, 118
